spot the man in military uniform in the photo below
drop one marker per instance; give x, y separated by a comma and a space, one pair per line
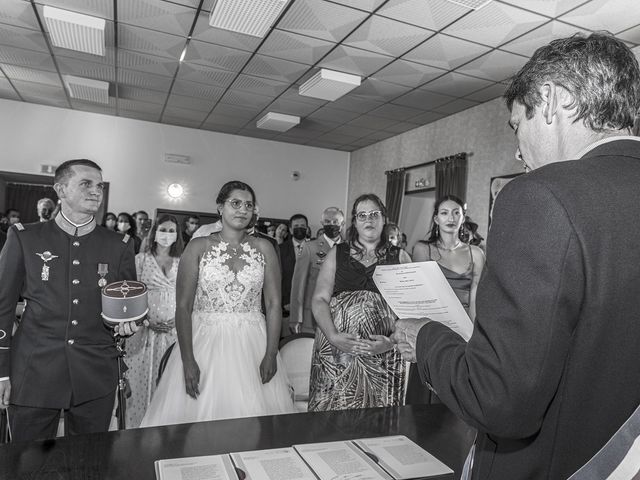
305, 272
62, 355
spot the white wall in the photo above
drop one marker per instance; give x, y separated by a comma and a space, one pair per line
131, 154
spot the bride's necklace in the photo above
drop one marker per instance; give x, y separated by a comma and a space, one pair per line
440, 246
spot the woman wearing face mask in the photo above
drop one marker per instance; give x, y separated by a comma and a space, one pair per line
127, 226
110, 221
157, 267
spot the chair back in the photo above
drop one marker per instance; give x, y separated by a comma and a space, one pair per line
296, 351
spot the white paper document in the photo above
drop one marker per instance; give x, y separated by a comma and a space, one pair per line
340, 461
209, 467
402, 458
273, 464
420, 289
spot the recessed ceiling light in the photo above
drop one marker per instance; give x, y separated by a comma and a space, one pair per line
329, 85
75, 31
278, 122
175, 190
87, 89
249, 17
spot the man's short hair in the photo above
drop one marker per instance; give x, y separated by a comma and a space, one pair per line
331, 210
599, 71
64, 171
46, 200
9, 210
298, 216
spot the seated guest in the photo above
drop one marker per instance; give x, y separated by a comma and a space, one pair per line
110, 221
191, 224
354, 362
45, 208
127, 226
157, 268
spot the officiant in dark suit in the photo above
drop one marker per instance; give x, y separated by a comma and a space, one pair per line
551, 370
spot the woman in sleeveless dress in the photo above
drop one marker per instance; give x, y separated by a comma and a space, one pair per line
355, 364
460, 263
227, 363
157, 268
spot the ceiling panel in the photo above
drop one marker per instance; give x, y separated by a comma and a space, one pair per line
434, 14
320, 19
419, 61
386, 36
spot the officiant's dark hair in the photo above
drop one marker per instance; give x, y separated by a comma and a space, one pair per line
229, 187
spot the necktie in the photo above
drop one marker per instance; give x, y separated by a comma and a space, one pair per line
299, 249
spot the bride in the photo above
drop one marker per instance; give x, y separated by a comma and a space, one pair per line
227, 363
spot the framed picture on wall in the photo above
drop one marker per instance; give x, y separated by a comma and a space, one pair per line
495, 185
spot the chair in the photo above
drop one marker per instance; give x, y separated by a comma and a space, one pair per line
296, 351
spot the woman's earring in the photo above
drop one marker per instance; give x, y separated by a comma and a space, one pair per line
437, 230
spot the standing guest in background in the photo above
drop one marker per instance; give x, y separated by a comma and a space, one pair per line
45, 208
227, 363
127, 226
271, 231
110, 221
157, 268
290, 250
282, 233
143, 225
191, 224
319, 232
12, 217
355, 364
308, 266
550, 372
62, 356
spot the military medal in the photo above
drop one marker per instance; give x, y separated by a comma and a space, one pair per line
46, 257
103, 269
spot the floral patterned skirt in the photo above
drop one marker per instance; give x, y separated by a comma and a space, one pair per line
341, 380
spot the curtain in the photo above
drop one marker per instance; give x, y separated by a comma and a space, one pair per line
451, 176
395, 193
24, 197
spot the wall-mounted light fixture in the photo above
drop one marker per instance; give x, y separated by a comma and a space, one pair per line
175, 190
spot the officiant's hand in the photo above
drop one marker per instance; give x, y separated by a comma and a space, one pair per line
406, 334
191, 378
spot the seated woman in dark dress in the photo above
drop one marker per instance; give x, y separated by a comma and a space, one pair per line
354, 363
460, 263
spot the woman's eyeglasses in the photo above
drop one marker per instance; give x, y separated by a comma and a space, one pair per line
236, 204
372, 215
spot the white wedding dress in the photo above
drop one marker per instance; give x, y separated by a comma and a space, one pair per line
229, 343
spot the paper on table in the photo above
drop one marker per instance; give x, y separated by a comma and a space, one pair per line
208, 467
272, 464
420, 289
340, 461
402, 458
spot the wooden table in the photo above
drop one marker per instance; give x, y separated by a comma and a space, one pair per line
130, 454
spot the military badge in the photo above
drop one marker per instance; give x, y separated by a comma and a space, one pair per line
46, 256
103, 269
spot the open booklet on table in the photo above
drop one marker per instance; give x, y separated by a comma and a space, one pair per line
420, 289
381, 458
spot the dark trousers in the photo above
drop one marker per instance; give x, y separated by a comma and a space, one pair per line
34, 423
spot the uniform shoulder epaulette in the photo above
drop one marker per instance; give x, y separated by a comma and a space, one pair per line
126, 238
19, 227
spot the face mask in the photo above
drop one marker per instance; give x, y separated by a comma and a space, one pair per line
110, 223
123, 226
300, 233
331, 231
166, 239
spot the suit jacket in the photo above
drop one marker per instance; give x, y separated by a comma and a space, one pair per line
287, 263
61, 350
303, 283
551, 370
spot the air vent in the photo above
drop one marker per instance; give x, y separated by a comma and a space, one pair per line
87, 89
473, 4
249, 17
75, 31
329, 85
278, 122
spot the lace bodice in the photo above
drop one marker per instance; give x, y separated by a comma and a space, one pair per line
221, 289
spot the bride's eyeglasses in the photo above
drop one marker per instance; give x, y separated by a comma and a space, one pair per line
372, 215
236, 204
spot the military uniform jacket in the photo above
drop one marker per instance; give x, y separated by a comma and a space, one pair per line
551, 370
61, 353
305, 275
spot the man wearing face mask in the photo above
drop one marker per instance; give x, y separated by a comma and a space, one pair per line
290, 250
191, 224
308, 266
